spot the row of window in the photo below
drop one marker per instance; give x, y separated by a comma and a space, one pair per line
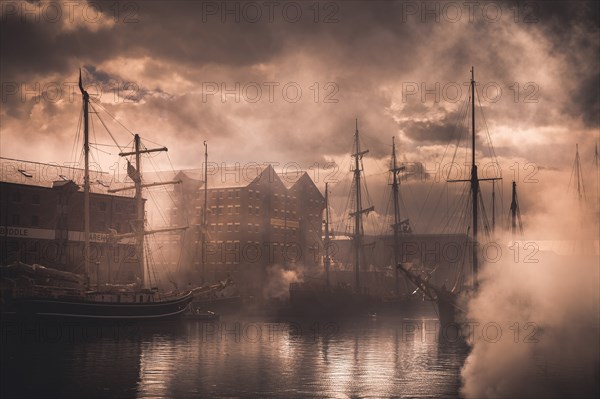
97, 225
252, 194
284, 228
234, 193
230, 194
17, 197
220, 227
220, 210
282, 213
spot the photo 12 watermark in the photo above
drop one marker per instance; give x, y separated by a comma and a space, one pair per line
254, 92
68, 91
490, 332
454, 92
70, 12
270, 12
489, 12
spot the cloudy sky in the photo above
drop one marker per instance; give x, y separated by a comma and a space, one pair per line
284, 82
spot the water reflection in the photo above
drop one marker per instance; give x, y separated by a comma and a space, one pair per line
233, 358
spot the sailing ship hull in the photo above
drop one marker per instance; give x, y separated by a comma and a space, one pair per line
412, 306
315, 301
81, 309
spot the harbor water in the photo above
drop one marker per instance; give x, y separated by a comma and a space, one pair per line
371, 357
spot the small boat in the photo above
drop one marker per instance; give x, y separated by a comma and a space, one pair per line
193, 313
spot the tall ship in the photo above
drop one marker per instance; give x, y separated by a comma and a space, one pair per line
38, 291
402, 299
445, 298
316, 297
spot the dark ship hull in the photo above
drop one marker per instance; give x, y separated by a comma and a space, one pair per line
36, 291
311, 300
407, 306
82, 309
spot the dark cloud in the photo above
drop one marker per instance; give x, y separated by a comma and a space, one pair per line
573, 29
440, 130
368, 49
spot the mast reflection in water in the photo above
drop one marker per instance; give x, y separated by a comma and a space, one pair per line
194, 359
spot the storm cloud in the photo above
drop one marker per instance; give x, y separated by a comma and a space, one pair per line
284, 83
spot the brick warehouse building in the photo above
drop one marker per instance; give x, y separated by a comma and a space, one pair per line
270, 220
42, 221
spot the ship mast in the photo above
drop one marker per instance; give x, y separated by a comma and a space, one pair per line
493, 207
474, 181
139, 205
578, 175
204, 211
134, 172
515, 213
513, 210
86, 177
395, 193
597, 165
359, 211
327, 260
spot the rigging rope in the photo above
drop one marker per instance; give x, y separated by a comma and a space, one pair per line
107, 129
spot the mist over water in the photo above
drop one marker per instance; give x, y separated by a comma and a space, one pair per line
546, 303
278, 282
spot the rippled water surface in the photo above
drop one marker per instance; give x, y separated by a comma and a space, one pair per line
378, 358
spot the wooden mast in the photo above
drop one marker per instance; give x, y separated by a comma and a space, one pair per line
395, 190
359, 211
515, 214
493, 206
513, 211
204, 216
597, 165
139, 203
86, 178
578, 176
134, 173
474, 182
327, 260
357, 216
